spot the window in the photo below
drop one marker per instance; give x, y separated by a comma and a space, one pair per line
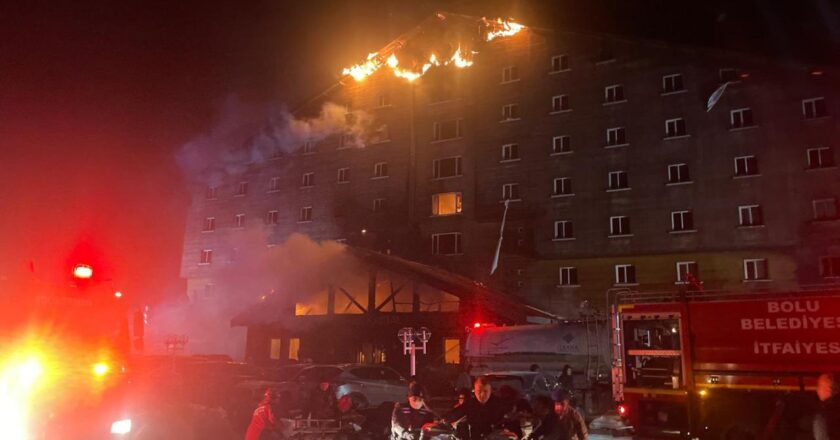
305, 214
560, 103
675, 127
510, 152
448, 167
755, 269
562, 187
682, 221
619, 225
814, 108
446, 203
746, 166
383, 100
378, 205
686, 272
294, 349
678, 173
209, 224
728, 74
379, 135
446, 244
825, 209
510, 74
559, 63
451, 351
561, 145
308, 148
568, 276
741, 118
274, 351
672, 83
380, 170
564, 230
274, 184
343, 175
820, 157
210, 193
616, 136
206, 256
750, 215
614, 93
830, 267
239, 221
346, 140
307, 180
241, 189
605, 55
510, 191
444, 130
625, 274
510, 112
617, 180
272, 217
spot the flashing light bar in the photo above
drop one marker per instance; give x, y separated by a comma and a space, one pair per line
82, 271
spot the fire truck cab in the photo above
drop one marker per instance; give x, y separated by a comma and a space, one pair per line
722, 365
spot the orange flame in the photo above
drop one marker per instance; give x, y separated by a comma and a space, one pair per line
365, 69
503, 28
458, 60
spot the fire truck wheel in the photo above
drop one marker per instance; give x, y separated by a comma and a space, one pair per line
359, 401
740, 430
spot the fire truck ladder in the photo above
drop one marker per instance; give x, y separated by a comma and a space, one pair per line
593, 348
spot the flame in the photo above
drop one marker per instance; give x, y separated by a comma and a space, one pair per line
503, 28
365, 69
458, 60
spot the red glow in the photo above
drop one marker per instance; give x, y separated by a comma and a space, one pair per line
745, 75
117, 294
622, 410
82, 271
477, 325
816, 72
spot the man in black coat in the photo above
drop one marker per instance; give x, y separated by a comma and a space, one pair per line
482, 412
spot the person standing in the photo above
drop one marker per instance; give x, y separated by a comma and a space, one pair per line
264, 423
827, 419
482, 412
411, 418
547, 426
571, 424
566, 378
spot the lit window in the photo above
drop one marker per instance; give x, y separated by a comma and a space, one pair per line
510, 112
239, 221
750, 215
614, 93
830, 266
343, 175
209, 224
616, 136
242, 189
814, 108
820, 157
210, 193
741, 118
510, 191
275, 347
564, 230
274, 184
686, 271
682, 221
562, 187
378, 205
561, 145
617, 180
678, 173
825, 209
380, 170
446, 203
625, 274
510, 152
746, 166
568, 276
672, 83
446, 244
451, 351
206, 256
755, 269
305, 214
510, 74
444, 130
560, 103
559, 63
447, 167
675, 127
619, 225
307, 180
294, 349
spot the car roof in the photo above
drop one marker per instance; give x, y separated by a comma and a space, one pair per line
510, 373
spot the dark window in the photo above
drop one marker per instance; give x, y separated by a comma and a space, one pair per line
560, 103
446, 244
559, 63
678, 173
821, 157
682, 221
746, 166
561, 144
448, 167
675, 127
672, 83
617, 180
814, 108
446, 130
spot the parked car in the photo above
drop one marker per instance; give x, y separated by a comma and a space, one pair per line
366, 384
524, 382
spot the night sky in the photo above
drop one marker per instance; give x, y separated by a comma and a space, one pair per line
96, 98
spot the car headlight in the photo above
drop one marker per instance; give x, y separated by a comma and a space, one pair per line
121, 427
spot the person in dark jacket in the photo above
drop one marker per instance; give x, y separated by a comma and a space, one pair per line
571, 424
322, 402
411, 417
827, 419
482, 412
546, 426
566, 378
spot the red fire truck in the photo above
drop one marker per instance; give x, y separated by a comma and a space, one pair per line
717, 365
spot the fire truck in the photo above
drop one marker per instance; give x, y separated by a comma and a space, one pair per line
64, 347
722, 365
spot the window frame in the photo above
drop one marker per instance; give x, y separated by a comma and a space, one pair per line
436, 168
513, 152
743, 123
272, 217
833, 266
688, 264
617, 225
628, 271
241, 189
562, 98
514, 188
567, 276
812, 104
512, 72
832, 201
567, 189
239, 220
437, 130
343, 175
208, 225
305, 214
459, 204
459, 245
274, 184
205, 257
752, 211
682, 214
511, 112
823, 161
619, 180
378, 205
307, 180
765, 265
620, 137
678, 173
565, 142
670, 91
309, 147
681, 129
614, 94
562, 59
747, 160
380, 170
567, 227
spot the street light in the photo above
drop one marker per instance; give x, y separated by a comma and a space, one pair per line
409, 337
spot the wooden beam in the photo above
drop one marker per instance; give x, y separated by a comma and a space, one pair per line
352, 300
330, 300
372, 292
390, 297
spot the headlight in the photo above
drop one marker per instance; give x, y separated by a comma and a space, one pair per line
121, 427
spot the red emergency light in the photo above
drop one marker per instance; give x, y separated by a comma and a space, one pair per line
622, 410
477, 325
82, 271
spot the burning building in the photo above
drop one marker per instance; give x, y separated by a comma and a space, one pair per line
606, 162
